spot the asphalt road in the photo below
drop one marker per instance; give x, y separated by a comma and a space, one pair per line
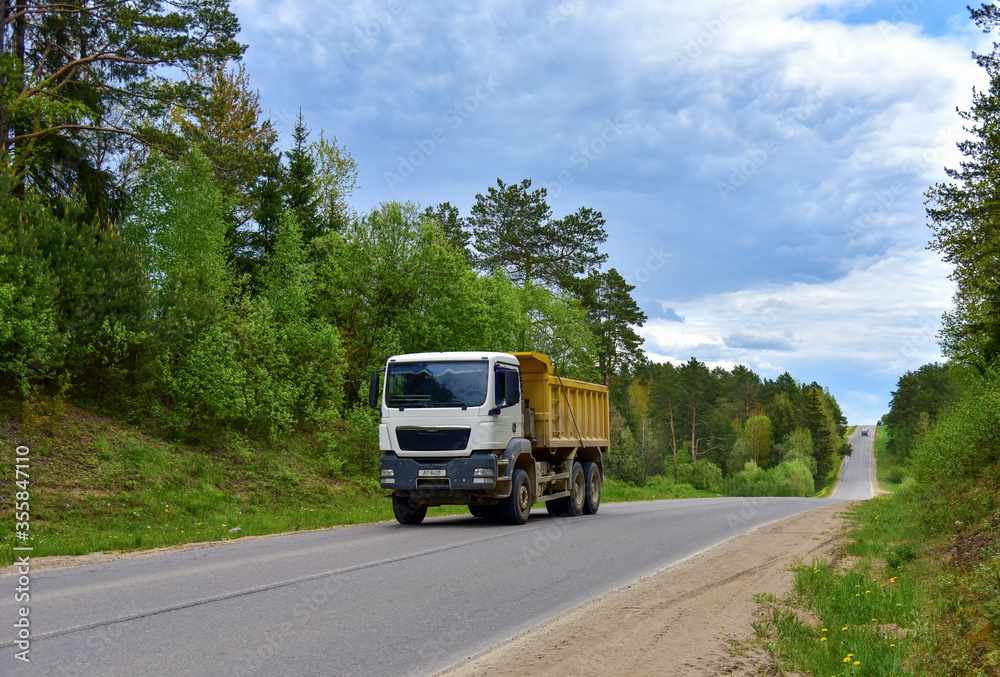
380, 599
856, 478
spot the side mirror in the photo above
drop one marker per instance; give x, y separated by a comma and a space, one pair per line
511, 388
373, 389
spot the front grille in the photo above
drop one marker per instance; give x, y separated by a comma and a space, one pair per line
433, 439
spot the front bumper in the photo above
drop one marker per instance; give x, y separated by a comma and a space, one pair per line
441, 477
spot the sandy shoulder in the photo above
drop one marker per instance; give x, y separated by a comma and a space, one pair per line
682, 620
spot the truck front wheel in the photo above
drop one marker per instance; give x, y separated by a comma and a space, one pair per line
406, 511
592, 475
516, 507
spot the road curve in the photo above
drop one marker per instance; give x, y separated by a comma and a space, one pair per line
379, 599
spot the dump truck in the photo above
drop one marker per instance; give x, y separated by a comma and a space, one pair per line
497, 432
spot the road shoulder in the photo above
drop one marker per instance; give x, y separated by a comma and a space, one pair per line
685, 619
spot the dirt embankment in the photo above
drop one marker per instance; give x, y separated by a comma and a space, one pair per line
692, 618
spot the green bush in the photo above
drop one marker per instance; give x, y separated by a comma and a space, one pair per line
896, 474
701, 474
790, 478
964, 442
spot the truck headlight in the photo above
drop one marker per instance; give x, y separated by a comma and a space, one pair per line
482, 472
387, 472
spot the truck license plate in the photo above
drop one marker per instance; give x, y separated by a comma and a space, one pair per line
433, 472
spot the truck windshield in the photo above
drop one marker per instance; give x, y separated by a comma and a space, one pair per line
437, 384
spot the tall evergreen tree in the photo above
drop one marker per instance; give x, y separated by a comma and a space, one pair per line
613, 315
81, 81
453, 226
513, 230
300, 191
964, 218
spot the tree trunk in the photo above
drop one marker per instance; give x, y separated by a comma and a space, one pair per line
673, 439
694, 429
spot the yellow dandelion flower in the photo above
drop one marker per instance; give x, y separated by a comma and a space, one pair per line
857, 662
825, 630
844, 628
847, 660
891, 645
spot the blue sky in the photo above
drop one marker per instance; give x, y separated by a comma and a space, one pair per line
761, 163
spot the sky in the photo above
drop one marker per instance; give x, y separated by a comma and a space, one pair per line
761, 164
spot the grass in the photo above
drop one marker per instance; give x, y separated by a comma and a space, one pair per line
904, 595
865, 619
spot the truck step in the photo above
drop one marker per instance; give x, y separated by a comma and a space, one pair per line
549, 497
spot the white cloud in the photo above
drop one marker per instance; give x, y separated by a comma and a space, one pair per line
882, 316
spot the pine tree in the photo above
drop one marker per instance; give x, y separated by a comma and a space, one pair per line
300, 190
963, 215
514, 231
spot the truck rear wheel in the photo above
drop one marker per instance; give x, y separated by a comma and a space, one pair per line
592, 477
571, 505
516, 507
406, 511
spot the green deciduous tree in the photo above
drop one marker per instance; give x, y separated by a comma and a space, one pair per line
918, 400
392, 283
181, 232
335, 176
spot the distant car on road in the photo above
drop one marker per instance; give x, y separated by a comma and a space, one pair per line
864, 432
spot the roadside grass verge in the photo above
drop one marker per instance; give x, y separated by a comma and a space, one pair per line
865, 615
890, 471
615, 491
907, 594
825, 489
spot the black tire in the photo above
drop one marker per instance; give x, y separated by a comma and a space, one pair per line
592, 478
515, 508
406, 511
571, 505
483, 511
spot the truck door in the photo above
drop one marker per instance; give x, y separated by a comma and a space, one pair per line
507, 402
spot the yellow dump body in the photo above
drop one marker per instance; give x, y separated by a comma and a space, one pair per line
569, 414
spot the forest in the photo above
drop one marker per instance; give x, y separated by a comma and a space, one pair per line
166, 261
